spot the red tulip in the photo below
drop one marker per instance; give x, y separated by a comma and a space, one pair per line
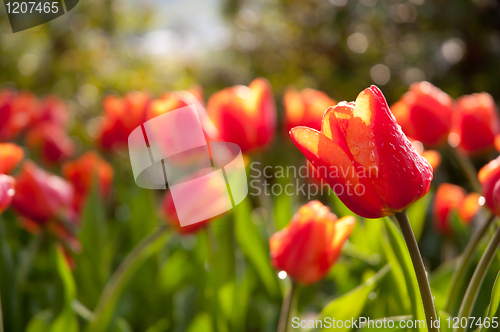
10, 156
122, 115
425, 113
245, 115
489, 176
17, 111
41, 196
311, 243
305, 108
372, 166
51, 141
53, 110
476, 122
83, 171
448, 198
7, 184
433, 157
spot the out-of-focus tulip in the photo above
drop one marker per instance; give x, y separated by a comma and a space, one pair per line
314, 176
53, 110
448, 198
425, 113
10, 156
311, 243
433, 157
305, 108
469, 207
17, 111
41, 196
476, 122
245, 115
489, 175
83, 171
51, 141
122, 115
372, 166
7, 184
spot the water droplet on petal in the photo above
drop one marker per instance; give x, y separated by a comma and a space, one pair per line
355, 150
371, 157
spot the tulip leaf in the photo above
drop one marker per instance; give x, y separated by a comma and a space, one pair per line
350, 306
403, 256
416, 214
202, 322
339, 208
493, 308
254, 247
66, 321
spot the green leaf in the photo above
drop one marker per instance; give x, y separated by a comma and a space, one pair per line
350, 305
254, 247
494, 305
202, 322
338, 206
397, 320
283, 206
404, 261
66, 321
416, 214
40, 322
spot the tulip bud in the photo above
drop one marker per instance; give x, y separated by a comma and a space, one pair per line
245, 115
448, 198
10, 156
308, 247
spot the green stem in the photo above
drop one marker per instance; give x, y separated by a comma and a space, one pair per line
288, 308
112, 290
467, 167
477, 278
418, 265
463, 264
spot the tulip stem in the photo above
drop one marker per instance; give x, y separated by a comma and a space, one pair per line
463, 264
288, 308
478, 277
110, 295
467, 167
418, 265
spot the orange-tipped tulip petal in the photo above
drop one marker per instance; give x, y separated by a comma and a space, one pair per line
305, 108
476, 122
448, 198
311, 243
83, 171
363, 148
10, 156
245, 115
422, 105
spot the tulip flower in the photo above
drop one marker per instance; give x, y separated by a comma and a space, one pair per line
51, 141
423, 105
17, 111
10, 156
7, 184
305, 108
476, 122
311, 243
122, 115
448, 199
489, 176
245, 115
372, 166
41, 196
53, 110
81, 174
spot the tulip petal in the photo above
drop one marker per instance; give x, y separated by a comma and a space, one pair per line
343, 228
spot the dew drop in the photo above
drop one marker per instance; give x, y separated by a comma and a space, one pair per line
355, 150
371, 157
